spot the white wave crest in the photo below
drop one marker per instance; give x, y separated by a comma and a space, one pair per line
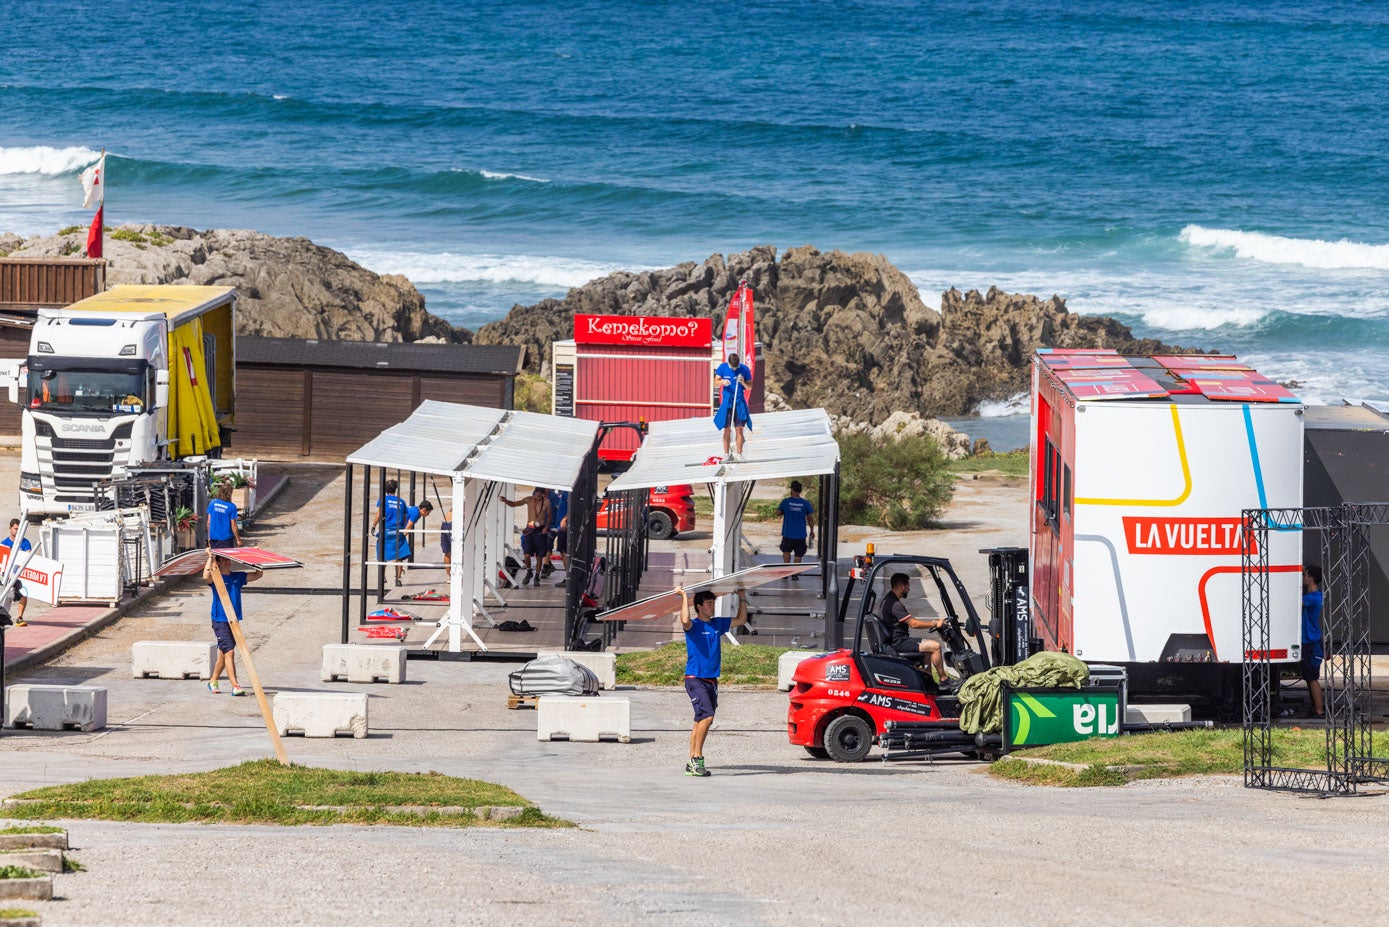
1021, 404
498, 175
1275, 249
44, 159
1192, 317
446, 267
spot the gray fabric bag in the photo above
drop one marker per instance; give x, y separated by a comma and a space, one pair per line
554, 674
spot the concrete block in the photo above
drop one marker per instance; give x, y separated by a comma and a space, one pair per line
53, 708
786, 667
363, 663
321, 714
1157, 714
173, 659
582, 718
57, 841
604, 665
39, 889
38, 860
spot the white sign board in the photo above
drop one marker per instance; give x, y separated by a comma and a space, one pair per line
42, 579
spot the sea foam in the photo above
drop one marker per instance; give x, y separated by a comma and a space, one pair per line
499, 175
446, 267
44, 159
1276, 249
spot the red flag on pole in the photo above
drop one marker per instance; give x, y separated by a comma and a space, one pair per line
94, 234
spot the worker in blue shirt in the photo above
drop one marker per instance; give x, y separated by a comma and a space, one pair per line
703, 664
21, 600
392, 515
796, 529
222, 516
1312, 652
235, 581
732, 377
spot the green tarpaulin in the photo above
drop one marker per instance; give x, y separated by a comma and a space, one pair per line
981, 697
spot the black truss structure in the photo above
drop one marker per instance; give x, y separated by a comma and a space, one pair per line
1342, 536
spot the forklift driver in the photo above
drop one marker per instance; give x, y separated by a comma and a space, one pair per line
896, 620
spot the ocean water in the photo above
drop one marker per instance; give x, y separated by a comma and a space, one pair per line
1212, 173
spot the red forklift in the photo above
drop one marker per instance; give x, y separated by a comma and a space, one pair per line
844, 702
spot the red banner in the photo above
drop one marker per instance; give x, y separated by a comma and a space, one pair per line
1202, 536
643, 330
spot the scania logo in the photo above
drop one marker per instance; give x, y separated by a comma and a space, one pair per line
64, 426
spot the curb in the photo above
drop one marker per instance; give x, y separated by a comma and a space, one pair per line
77, 635
1075, 767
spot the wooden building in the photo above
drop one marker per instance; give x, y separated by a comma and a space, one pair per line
321, 400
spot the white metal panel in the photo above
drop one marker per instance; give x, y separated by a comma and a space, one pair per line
783, 444
534, 449
436, 438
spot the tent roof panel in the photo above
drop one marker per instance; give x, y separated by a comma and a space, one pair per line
799, 443
450, 439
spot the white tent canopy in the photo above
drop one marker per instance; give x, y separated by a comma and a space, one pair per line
784, 444
479, 449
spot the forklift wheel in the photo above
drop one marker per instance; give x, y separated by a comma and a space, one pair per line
819, 753
848, 739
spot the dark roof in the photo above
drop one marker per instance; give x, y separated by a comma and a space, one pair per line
502, 359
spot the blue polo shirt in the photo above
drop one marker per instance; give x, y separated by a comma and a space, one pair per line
702, 644
794, 512
394, 515
233, 581
23, 544
559, 507
220, 515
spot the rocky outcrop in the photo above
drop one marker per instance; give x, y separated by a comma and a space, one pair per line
846, 332
954, 444
287, 287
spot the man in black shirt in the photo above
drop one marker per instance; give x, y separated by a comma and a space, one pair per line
896, 621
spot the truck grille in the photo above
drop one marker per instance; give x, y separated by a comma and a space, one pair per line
80, 444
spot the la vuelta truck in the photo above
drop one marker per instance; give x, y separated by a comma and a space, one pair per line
130, 376
1140, 467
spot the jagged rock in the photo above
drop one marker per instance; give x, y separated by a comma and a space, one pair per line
9, 241
899, 425
287, 287
981, 446
846, 332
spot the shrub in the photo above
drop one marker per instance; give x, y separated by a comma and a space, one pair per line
899, 485
532, 394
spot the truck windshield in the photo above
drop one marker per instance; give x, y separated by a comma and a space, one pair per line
88, 391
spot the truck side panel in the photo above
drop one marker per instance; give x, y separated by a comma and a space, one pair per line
1159, 489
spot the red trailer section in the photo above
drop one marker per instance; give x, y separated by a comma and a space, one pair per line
637, 368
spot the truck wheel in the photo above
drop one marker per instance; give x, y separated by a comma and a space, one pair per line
848, 739
659, 526
819, 753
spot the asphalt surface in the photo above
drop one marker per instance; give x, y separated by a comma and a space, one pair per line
773, 837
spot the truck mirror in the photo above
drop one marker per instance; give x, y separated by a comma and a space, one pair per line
161, 388
14, 390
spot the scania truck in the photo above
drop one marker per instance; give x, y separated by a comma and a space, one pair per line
131, 376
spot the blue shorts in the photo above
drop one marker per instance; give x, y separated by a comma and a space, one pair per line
446, 539
1311, 663
533, 541
704, 696
225, 641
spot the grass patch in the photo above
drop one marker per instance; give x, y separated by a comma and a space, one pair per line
140, 239
18, 872
72, 229
1162, 756
31, 829
1013, 464
264, 792
72, 865
748, 665
16, 913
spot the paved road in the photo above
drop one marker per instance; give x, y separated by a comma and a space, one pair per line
772, 838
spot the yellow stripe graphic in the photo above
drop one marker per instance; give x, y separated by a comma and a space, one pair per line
1186, 477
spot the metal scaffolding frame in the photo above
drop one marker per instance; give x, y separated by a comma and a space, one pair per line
1342, 534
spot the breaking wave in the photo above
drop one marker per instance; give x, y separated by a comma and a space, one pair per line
45, 159
1276, 249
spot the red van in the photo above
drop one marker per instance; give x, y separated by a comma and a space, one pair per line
670, 511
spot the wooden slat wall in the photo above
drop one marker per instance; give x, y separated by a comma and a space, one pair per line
351, 409
472, 390
14, 345
270, 415
50, 281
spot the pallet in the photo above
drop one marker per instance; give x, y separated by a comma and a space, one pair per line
522, 701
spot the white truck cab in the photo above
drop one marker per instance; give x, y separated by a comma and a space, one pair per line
98, 387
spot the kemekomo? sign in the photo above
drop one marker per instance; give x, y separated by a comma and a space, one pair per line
643, 330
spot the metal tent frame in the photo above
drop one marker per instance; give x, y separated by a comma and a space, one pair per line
785, 444
478, 450
1341, 534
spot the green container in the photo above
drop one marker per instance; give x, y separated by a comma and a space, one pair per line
1035, 717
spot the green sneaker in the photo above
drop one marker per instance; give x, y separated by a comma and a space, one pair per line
695, 767
213, 688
